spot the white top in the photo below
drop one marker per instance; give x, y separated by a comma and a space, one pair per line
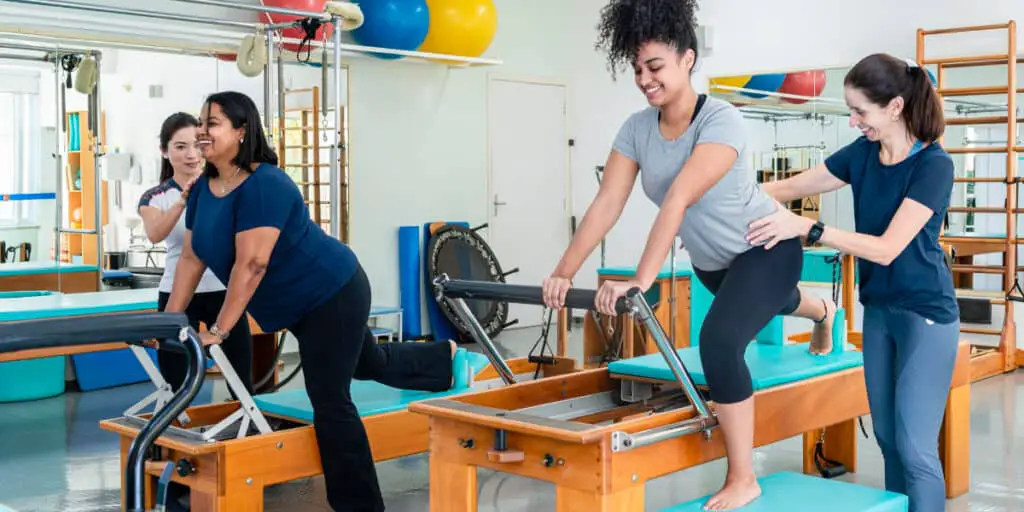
162, 197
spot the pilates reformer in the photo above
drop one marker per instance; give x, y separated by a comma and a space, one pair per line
599, 435
135, 328
227, 453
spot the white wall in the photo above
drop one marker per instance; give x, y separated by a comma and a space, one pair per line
418, 131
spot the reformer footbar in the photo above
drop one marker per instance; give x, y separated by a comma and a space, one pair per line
633, 303
172, 329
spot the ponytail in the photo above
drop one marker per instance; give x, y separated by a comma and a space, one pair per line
882, 77
922, 109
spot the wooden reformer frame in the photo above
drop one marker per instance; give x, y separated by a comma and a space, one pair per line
599, 437
227, 466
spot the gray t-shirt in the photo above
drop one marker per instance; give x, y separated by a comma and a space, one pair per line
715, 227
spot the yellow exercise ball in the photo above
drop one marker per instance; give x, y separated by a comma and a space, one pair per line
460, 27
728, 81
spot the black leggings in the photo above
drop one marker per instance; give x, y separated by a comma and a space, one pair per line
204, 308
336, 346
757, 286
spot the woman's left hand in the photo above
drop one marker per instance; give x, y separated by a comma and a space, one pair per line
209, 339
610, 292
779, 226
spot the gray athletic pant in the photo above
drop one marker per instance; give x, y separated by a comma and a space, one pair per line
908, 368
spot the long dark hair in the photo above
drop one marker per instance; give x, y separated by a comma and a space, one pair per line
171, 126
882, 77
242, 112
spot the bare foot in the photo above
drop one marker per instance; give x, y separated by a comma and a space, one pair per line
734, 494
821, 334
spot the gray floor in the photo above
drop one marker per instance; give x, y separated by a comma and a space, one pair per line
54, 457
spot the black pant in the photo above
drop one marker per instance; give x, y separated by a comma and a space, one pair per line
336, 346
757, 286
205, 307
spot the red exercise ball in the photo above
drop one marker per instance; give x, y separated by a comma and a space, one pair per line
297, 32
803, 83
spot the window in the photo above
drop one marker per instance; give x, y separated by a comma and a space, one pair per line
20, 163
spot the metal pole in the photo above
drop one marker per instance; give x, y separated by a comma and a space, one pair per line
59, 157
19, 57
66, 51
268, 105
280, 103
336, 184
260, 8
136, 12
97, 153
672, 298
481, 337
669, 353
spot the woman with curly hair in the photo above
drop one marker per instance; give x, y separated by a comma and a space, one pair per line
690, 153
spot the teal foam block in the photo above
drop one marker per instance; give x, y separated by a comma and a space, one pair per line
371, 397
816, 268
794, 492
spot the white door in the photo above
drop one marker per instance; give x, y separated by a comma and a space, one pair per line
528, 206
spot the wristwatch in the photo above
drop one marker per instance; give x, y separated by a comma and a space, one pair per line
815, 233
215, 330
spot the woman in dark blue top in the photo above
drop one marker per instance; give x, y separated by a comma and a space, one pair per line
901, 180
247, 222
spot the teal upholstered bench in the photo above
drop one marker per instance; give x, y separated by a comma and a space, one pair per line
794, 492
370, 397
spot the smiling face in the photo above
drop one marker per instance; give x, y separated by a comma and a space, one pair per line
183, 152
219, 139
874, 121
661, 73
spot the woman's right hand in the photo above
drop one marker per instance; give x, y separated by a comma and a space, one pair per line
554, 290
188, 187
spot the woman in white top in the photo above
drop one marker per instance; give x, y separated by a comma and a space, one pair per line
162, 208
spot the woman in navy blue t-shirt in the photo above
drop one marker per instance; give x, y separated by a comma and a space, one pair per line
247, 222
901, 180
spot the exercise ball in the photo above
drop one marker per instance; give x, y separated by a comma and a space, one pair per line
395, 24
728, 81
460, 27
768, 82
803, 83
325, 30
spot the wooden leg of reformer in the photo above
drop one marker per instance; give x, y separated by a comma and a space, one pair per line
955, 435
630, 499
452, 484
840, 446
954, 442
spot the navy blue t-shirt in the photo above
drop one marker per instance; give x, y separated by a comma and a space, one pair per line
307, 266
918, 279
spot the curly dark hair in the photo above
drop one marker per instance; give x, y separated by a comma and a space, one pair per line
627, 24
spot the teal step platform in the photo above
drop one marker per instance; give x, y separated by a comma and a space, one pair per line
794, 492
29, 268
371, 397
771, 363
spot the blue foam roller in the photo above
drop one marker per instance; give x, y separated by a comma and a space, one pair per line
794, 492
409, 257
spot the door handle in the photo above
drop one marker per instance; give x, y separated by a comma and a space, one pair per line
497, 204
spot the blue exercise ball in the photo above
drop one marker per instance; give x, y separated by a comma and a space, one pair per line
769, 82
395, 24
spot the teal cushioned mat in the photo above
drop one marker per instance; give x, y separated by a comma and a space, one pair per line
78, 304
793, 492
27, 268
371, 397
770, 365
